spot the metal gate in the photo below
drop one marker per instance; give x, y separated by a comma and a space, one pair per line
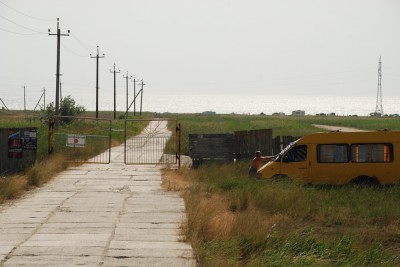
158, 143
81, 139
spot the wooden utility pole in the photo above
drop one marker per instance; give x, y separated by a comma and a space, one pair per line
24, 97
44, 101
141, 97
127, 78
61, 98
115, 91
58, 34
44, 98
97, 80
134, 95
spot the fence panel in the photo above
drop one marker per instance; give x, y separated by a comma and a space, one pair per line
211, 147
86, 140
155, 145
247, 142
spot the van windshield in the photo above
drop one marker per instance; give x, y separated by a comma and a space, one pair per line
279, 156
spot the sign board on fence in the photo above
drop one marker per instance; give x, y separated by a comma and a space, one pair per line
14, 144
30, 139
76, 140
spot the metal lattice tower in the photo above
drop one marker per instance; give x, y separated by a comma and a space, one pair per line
379, 107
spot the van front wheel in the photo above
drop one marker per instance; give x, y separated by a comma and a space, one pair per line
365, 180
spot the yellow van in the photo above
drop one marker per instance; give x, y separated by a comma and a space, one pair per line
339, 158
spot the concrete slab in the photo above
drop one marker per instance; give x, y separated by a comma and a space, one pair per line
97, 215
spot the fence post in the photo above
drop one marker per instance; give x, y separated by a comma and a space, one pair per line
50, 141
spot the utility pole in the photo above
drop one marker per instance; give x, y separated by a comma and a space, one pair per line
97, 79
44, 98
115, 92
141, 97
43, 95
58, 64
4, 104
61, 93
127, 77
24, 97
134, 95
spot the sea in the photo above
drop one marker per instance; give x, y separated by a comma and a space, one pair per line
228, 104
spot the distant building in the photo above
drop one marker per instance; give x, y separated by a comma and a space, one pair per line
298, 113
278, 114
209, 113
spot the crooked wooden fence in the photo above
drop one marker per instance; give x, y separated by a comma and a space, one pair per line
240, 145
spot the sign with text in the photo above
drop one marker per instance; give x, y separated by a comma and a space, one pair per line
30, 139
76, 140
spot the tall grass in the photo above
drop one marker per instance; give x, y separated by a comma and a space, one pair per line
236, 221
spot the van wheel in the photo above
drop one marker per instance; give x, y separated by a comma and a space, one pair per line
280, 177
365, 180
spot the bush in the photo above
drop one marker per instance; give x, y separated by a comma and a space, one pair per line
68, 107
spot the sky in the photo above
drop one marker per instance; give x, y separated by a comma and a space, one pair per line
191, 47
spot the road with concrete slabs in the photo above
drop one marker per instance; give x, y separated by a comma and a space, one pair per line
97, 215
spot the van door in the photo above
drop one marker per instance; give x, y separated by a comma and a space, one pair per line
295, 163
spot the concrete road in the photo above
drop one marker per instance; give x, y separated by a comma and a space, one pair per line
97, 215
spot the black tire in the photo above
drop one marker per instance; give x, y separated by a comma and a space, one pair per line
365, 181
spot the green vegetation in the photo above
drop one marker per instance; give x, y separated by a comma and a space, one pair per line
47, 166
236, 221
281, 125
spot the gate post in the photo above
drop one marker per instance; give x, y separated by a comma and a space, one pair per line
50, 141
178, 140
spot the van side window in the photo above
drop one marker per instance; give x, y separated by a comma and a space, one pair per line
372, 152
333, 153
296, 154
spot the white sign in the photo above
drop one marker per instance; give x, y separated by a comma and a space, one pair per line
76, 140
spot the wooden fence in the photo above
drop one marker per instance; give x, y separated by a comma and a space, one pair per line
240, 146
211, 147
247, 142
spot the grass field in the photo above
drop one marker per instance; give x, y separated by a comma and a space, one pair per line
47, 166
236, 221
281, 125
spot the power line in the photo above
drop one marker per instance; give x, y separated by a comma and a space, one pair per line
71, 51
21, 13
22, 26
18, 33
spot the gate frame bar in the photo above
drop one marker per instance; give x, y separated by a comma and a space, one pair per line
178, 136
54, 120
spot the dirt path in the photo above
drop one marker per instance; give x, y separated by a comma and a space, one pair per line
98, 215
338, 128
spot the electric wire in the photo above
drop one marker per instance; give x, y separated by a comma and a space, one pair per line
22, 26
72, 51
18, 33
21, 13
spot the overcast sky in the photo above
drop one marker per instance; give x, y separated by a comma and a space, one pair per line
258, 47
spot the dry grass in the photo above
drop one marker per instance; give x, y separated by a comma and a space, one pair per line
40, 173
234, 221
44, 170
12, 187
